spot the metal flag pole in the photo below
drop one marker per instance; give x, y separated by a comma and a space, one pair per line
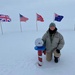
1, 27
20, 24
36, 26
74, 27
36, 23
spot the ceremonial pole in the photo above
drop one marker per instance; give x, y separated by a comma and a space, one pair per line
40, 48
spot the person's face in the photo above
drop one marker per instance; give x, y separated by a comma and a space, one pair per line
52, 28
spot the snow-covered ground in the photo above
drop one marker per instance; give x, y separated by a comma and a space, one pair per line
17, 54
18, 57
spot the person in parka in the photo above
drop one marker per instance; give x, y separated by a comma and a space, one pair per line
54, 42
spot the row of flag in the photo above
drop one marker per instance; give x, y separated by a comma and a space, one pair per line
24, 19
6, 18
40, 18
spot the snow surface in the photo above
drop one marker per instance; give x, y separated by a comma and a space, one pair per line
17, 54
18, 57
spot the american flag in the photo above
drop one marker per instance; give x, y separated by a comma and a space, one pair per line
4, 18
23, 19
40, 18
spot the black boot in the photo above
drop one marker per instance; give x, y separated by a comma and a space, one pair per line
55, 59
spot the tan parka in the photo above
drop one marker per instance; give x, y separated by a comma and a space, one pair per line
57, 42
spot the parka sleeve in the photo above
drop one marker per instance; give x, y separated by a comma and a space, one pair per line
44, 39
61, 42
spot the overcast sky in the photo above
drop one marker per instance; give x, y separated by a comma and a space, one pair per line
46, 8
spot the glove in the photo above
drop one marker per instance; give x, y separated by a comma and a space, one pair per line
57, 50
